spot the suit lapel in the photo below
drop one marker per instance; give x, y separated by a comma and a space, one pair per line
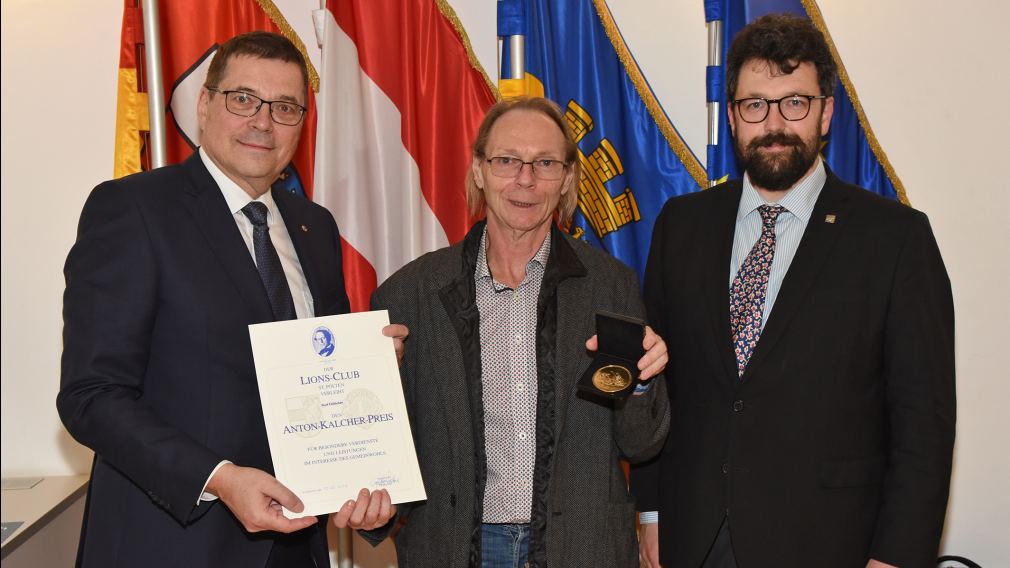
300, 229
814, 250
723, 219
206, 203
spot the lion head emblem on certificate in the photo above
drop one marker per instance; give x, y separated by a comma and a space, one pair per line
322, 341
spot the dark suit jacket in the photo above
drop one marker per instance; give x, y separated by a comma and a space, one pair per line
836, 445
157, 372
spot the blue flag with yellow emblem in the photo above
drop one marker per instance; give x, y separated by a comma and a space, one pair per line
632, 157
850, 148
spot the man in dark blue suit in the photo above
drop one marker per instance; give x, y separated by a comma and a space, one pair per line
169, 269
811, 333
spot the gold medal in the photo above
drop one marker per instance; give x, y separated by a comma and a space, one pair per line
612, 378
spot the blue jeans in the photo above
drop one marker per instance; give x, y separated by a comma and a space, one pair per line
504, 546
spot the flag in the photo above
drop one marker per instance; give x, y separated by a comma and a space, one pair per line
632, 157
850, 148
391, 151
402, 97
132, 119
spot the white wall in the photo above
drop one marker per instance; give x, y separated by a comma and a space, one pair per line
931, 78
58, 100
934, 92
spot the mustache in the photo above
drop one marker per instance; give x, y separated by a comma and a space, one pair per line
780, 138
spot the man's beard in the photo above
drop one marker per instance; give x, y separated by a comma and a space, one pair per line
780, 171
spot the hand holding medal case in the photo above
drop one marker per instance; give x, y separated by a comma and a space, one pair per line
614, 371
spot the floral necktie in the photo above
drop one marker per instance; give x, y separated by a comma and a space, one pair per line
747, 293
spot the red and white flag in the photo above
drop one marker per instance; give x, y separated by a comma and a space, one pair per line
400, 100
399, 94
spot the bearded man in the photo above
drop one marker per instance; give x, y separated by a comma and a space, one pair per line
810, 330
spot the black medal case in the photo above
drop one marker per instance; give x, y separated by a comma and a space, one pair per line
614, 371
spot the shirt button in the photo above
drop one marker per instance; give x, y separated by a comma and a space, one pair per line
737, 406
521, 387
519, 338
725, 468
522, 435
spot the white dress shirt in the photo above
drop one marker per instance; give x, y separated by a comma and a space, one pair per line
237, 198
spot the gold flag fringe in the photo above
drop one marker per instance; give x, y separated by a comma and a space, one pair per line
449, 14
672, 137
281, 22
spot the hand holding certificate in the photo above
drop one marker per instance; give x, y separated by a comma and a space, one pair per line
334, 410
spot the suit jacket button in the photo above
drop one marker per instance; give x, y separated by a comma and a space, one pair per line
737, 405
725, 468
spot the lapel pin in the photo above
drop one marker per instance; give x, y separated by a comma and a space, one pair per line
305, 228
827, 219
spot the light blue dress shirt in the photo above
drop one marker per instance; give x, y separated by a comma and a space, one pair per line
799, 205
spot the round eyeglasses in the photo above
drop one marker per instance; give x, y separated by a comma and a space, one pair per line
546, 170
793, 107
242, 103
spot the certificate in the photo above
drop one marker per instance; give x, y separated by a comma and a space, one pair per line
334, 410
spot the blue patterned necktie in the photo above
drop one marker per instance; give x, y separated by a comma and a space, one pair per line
747, 294
269, 264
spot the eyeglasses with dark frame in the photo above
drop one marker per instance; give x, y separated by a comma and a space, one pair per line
241, 103
792, 108
508, 167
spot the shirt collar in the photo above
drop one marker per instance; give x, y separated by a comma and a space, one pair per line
484, 271
799, 200
235, 196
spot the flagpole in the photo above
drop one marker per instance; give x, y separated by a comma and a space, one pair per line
345, 542
517, 52
511, 41
155, 83
714, 59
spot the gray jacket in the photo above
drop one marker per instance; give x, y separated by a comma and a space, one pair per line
582, 514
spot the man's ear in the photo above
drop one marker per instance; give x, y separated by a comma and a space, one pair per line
203, 108
826, 114
477, 171
569, 181
731, 117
